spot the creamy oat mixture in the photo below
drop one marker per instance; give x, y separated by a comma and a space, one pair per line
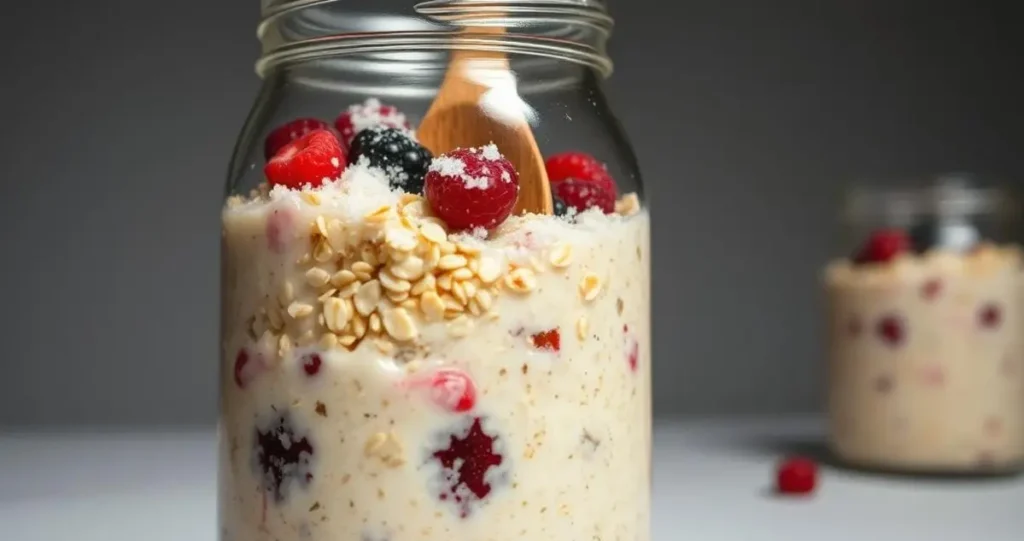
384, 378
925, 361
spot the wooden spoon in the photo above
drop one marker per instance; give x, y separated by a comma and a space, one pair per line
476, 105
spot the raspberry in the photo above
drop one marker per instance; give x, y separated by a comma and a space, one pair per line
882, 246
310, 159
579, 181
891, 330
470, 188
990, 316
453, 390
311, 364
550, 340
282, 457
579, 166
465, 462
286, 133
369, 114
391, 150
582, 195
796, 475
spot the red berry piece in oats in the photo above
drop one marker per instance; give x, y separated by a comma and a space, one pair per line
579, 166
468, 460
933, 375
283, 457
280, 230
471, 188
312, 159
993, 426
282, 135
632, 349
550, 340
883, 246
311, 364
854, 327
986, 460
453, 390
582, 195
891, 330
1009, 365
796, 476
931, 289
449, 388
884, 384
242, 368
990, 316
369, 114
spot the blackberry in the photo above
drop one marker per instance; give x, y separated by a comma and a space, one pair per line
393, 150
924, 236
282, 456
560, 207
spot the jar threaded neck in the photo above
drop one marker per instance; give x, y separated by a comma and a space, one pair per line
298, 30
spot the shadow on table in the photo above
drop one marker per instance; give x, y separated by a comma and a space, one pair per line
779, 446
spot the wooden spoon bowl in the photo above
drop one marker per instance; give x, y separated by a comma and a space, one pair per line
477, 104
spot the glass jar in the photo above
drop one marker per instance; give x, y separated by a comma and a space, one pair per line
925, 357
408, 351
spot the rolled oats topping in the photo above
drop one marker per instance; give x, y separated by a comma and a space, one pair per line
382, 265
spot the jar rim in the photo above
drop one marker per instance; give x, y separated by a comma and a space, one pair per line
951, 195
571, 30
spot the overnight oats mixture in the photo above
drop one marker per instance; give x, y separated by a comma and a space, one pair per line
405, 359
925, 355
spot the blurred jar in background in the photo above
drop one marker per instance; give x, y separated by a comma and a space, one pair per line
926, 372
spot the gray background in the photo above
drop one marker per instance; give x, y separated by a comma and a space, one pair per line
119, 117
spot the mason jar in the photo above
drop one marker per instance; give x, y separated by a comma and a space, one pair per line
926, 368
435, 281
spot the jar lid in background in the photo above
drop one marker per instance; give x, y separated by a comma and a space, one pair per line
946, 197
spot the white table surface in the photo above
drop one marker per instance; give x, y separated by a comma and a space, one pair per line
712, 482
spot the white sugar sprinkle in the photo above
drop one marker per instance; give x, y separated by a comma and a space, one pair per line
456, 168
448, 166
490, 152
471, 183
369, 115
